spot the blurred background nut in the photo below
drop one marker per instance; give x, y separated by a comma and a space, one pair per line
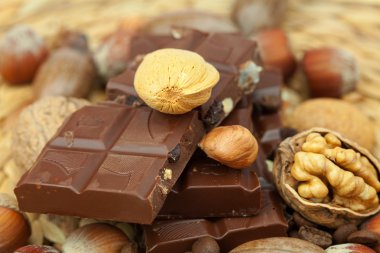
372, 224
342, 232
254, 15
349, 248
37, 249
67, 72
57, 228
70, 38
22, 52
327, 178
330, 72
14, 226
365, 237
205, 245
279, 245
275, 51
234, 146
111, 57
37, 124
96, 238
203, 21
336, 115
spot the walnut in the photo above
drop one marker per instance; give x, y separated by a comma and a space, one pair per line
327, 178
36, 125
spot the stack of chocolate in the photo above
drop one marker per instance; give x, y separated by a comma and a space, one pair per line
121, 160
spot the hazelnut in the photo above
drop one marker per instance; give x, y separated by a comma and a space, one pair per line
175, 81
36, 125
205, 245
70, 38
22, 52
275, 51
14, 227
113, 54
96, 238
234, 146
36, 249
349, 248
373, 225
337, 115
365, 237
254, 15
67, 72
330, 72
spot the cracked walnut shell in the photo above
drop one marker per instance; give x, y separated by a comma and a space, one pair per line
327, 178
175, 81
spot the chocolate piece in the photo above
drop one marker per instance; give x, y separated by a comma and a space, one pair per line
215, 189
267, 95
316, 236
237, 71
210, 189
179, 235
111, 162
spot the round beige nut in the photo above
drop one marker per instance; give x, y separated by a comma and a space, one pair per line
37, 123
336, 115
175, 81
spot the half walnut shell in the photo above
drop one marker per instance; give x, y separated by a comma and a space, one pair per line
327, 214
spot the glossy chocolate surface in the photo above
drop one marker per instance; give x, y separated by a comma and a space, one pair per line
210, 189
179, 235
111, 162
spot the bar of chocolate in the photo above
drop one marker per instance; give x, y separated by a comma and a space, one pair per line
215, 189
111, 162
209, 189
238, 73
179, 235
267, 95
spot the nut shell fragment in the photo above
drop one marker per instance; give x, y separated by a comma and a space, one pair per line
324, 213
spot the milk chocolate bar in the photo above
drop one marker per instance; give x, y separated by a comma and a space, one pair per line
238, 72
210, 189
179, 235
267, 95
111, 162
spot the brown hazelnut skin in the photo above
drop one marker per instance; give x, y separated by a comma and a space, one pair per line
234, 146
67, 72
275, 51
330, 72
14, 230
205, 245
22, 51
36, 249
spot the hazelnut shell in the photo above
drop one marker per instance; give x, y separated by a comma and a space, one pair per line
328, 215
